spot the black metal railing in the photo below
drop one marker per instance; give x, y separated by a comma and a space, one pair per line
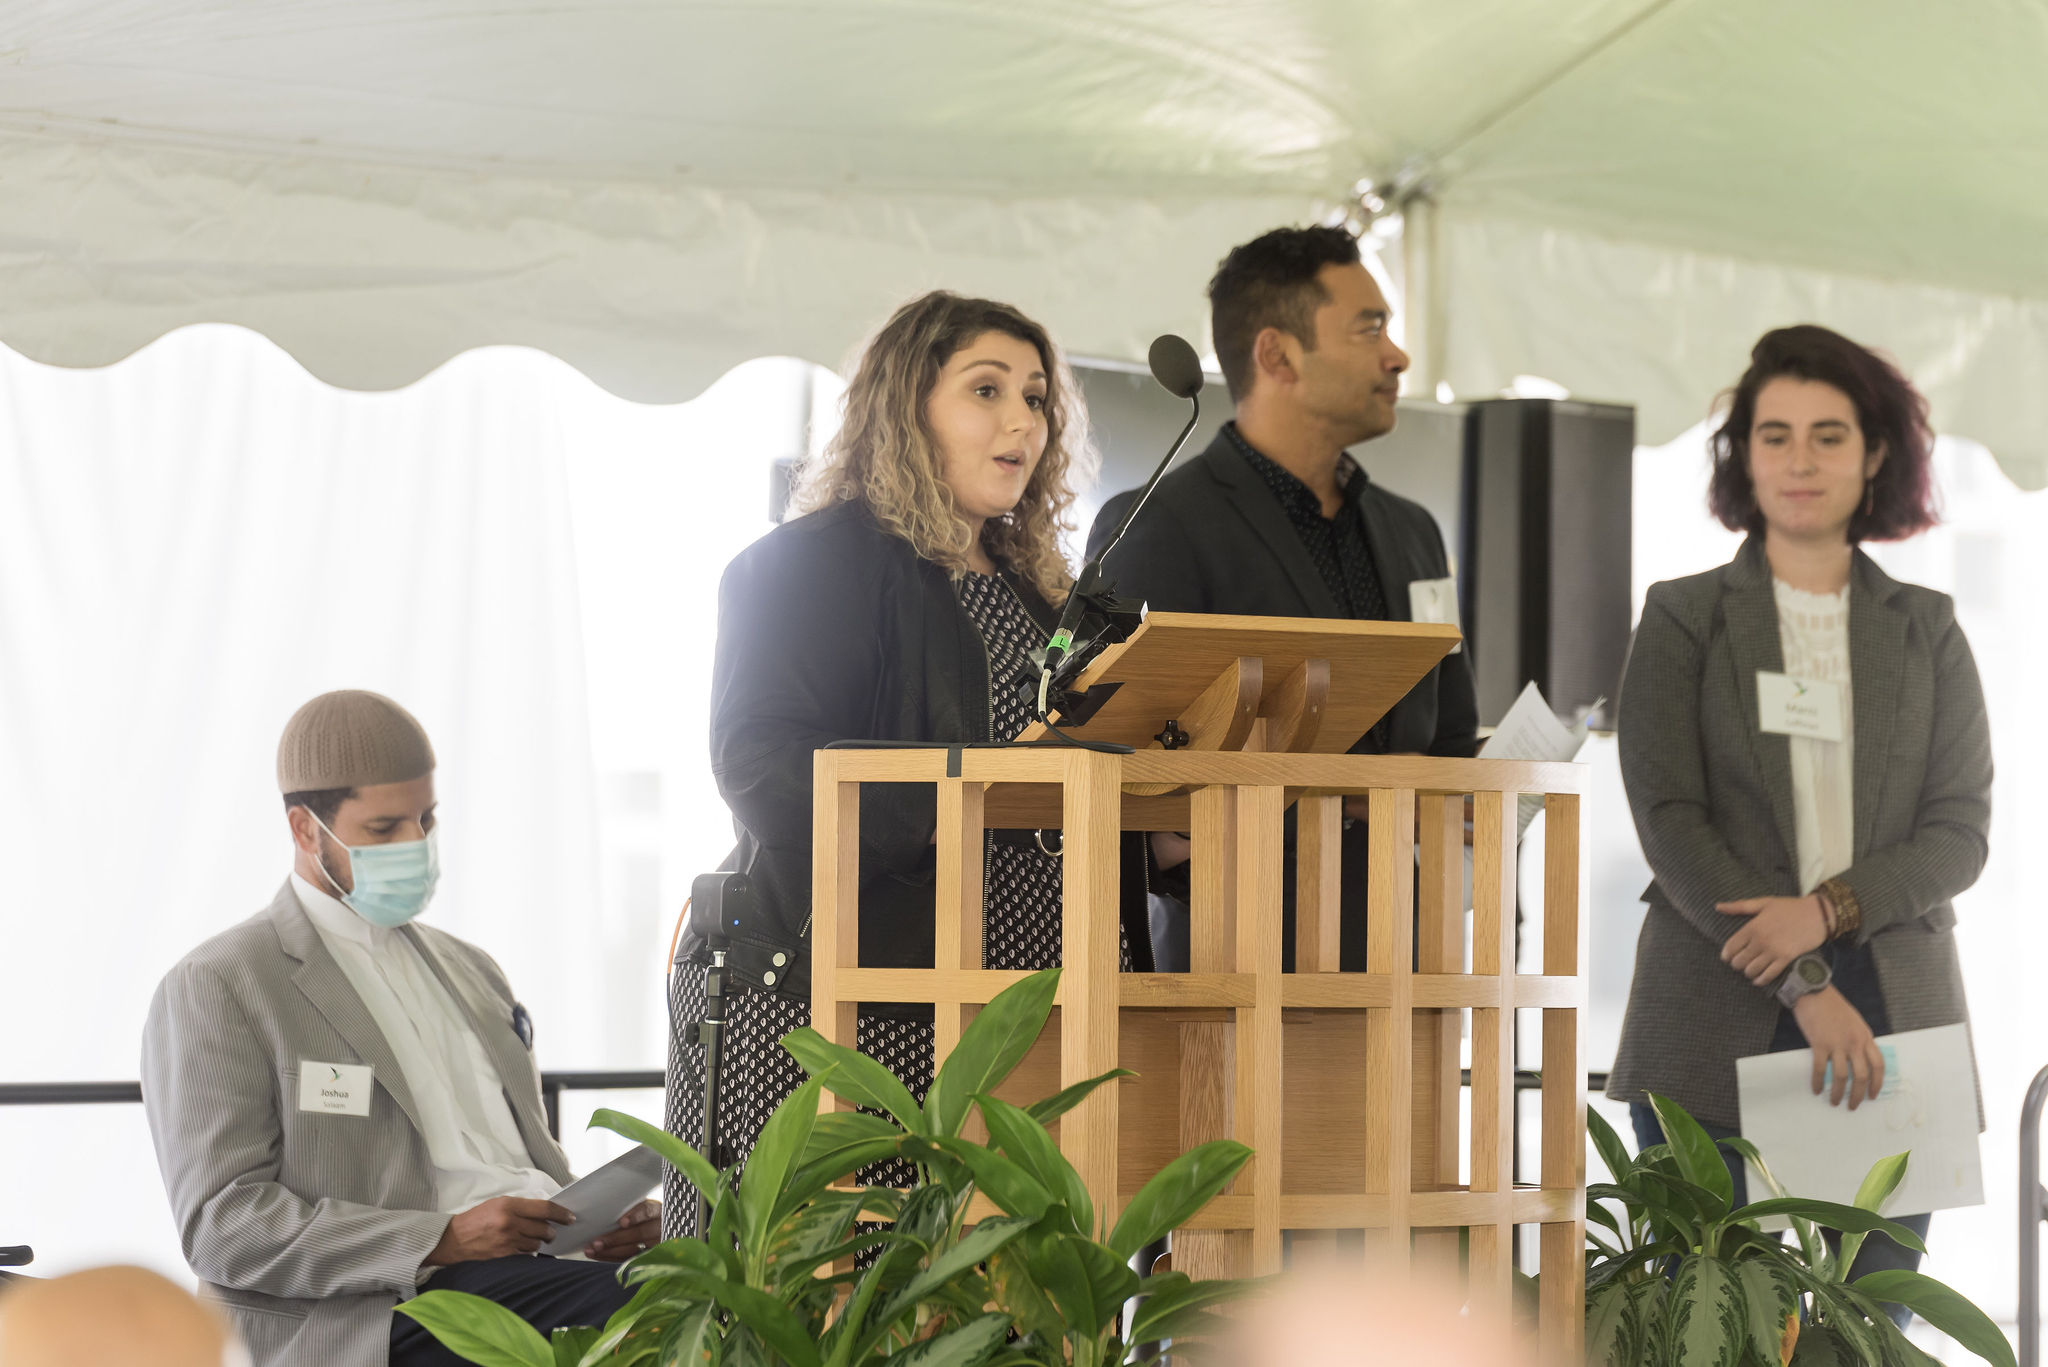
552, 1085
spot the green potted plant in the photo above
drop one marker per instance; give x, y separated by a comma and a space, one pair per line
1677, 1275
1046, 1282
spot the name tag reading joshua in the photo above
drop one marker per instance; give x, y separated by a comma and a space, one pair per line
335, 1088
1798, 707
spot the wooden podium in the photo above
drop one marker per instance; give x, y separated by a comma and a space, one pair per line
1345, 1084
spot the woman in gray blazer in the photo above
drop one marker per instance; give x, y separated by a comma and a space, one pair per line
1806, 754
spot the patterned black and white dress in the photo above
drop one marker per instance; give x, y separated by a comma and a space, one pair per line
1021, 930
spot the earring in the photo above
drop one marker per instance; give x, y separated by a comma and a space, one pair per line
1869, 497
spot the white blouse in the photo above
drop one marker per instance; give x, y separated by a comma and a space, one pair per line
1813, 631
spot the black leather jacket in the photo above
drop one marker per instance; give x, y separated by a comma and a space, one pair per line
829, 629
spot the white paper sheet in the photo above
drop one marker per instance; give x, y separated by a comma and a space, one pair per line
1531, 731
1928, 1106
601, 1196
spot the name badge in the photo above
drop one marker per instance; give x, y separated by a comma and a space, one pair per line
1434, 600
335, 1088
1798, 707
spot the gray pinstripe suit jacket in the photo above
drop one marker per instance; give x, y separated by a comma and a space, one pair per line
1712, 799
308, 1227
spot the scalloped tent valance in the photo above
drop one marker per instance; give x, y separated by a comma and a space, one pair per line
1620, 193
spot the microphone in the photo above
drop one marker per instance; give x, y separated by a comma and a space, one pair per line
1179, 372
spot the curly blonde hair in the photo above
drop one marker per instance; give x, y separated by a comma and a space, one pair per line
885, 455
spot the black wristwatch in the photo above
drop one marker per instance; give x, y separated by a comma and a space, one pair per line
1809, 974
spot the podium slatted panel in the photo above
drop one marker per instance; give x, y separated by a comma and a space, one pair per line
1345, 1084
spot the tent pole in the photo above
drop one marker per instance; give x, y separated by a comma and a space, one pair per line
1421, 270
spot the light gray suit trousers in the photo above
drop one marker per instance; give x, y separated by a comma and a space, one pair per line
308, 1226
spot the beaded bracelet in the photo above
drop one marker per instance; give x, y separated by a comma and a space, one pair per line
1848, 912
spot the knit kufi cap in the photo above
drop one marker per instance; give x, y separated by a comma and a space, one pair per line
351, 739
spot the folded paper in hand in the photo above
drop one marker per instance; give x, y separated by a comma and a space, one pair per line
598, 1198
1531, 731
1928, 1107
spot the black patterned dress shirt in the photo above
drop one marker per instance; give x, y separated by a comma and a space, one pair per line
1336, 544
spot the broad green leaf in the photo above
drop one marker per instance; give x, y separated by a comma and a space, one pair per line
673, 1255
571, 1345
773, 1158
1088, 1282
810, 1232
974, 1248
1810, 1242
692, 1341
1649, 1302
650, 1302
970, 1344
1769, 1300
1819, 1346
1024, 1139
1877, 1187
1609, 1324
1176, 1192
777, 1325
1672, 1204
1698, 1159
1060, 1102
484, 1332
1832, 1215
1609, 1145
1744, 1149
1017, 1293
678, 1155
1169, 1295
837, 1129
1188, 1324
991, 1046
1942, 1307
855, 1076
1851, 1323
1704, 1321
1002, 1180
1607, 1219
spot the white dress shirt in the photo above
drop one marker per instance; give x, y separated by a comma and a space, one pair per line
1813, 631
471, 1136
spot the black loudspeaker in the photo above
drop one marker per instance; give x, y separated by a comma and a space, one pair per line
1545, 552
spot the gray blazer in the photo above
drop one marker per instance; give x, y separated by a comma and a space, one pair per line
1712, 799
309, 1227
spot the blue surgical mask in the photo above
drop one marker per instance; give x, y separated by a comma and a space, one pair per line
393, 883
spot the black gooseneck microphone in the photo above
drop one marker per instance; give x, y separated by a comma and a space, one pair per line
1179, 372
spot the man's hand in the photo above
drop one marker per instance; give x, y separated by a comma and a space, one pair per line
1780, 929
638, 1230
1840, 1037
498, 1228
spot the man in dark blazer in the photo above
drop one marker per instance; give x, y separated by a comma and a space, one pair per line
1274, 519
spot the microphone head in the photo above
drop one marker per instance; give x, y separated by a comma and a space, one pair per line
1175, 366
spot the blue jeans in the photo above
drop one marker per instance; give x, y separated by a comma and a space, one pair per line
1879, 1251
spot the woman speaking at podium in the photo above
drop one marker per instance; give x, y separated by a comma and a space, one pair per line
898, 606
1806, 754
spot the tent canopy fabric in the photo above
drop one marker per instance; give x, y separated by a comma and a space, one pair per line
657, 189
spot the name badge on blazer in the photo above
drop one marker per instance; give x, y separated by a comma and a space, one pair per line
1798, 707
335, 1088
1434, 600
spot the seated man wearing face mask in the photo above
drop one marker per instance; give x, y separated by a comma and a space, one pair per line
344, 1103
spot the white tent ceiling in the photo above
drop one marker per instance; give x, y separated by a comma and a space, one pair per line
1622, 192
